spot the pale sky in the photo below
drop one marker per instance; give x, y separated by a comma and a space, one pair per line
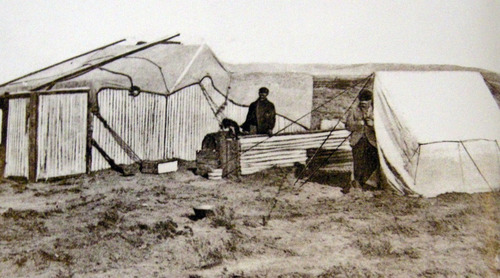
35, 34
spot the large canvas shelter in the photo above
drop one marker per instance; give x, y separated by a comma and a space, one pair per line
118, 104
437, 132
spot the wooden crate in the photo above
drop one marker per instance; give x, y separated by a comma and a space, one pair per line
219, 151
158, 166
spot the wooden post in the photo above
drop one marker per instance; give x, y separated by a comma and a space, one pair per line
90, 129
4, 102
33, 136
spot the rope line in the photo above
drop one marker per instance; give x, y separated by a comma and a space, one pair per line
477, 167
323, 163
316, 108
326, 139
158, 66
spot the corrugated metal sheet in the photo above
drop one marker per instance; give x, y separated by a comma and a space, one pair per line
17, 139
189, 119
140, 121
62, 135
155, 133
262, 152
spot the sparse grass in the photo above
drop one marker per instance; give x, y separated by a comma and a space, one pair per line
67, 273
374, 234
60, 257
108, 219
209, 256
375, 247
401, 229
22, 214
165, 229
437, 272
223, 217
21, 261
451, 223
349, 271
54, 191
19, 187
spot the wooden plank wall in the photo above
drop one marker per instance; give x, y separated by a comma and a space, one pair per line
189, 119
17, 162
140, 121
61, 135
262, 152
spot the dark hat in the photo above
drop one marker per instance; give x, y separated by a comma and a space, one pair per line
365, 95
264, 90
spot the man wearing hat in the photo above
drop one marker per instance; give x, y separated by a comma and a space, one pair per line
359, 122
261, 115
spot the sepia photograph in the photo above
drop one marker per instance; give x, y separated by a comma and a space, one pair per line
251, 138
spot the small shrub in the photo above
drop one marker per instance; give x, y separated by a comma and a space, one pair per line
20, 262
379, 248
436, 272
53, 257
22, 214
209, 256
349, 271
165, 229
399, 229
223, 218
411, 252
108, 219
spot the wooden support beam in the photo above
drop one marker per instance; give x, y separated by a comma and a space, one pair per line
90, 134
62, 62
85, 69
33, 136
4, 105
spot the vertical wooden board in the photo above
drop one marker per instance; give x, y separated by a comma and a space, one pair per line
3, 131
17, 139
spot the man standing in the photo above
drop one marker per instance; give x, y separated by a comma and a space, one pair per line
261, 115
363, 142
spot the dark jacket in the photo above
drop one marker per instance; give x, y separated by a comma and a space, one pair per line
262, 115
360, 124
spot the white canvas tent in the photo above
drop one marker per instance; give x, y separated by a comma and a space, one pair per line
437, 132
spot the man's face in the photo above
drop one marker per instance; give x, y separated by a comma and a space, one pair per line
364, 103
262, 96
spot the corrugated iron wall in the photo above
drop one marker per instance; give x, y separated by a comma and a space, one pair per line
140, 121
17, 139
262, 152
158, 128
62, 135
189, 119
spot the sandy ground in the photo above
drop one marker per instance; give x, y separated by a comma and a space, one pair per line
107, 225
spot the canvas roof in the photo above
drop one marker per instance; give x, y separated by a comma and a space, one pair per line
163, 68
437, 132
